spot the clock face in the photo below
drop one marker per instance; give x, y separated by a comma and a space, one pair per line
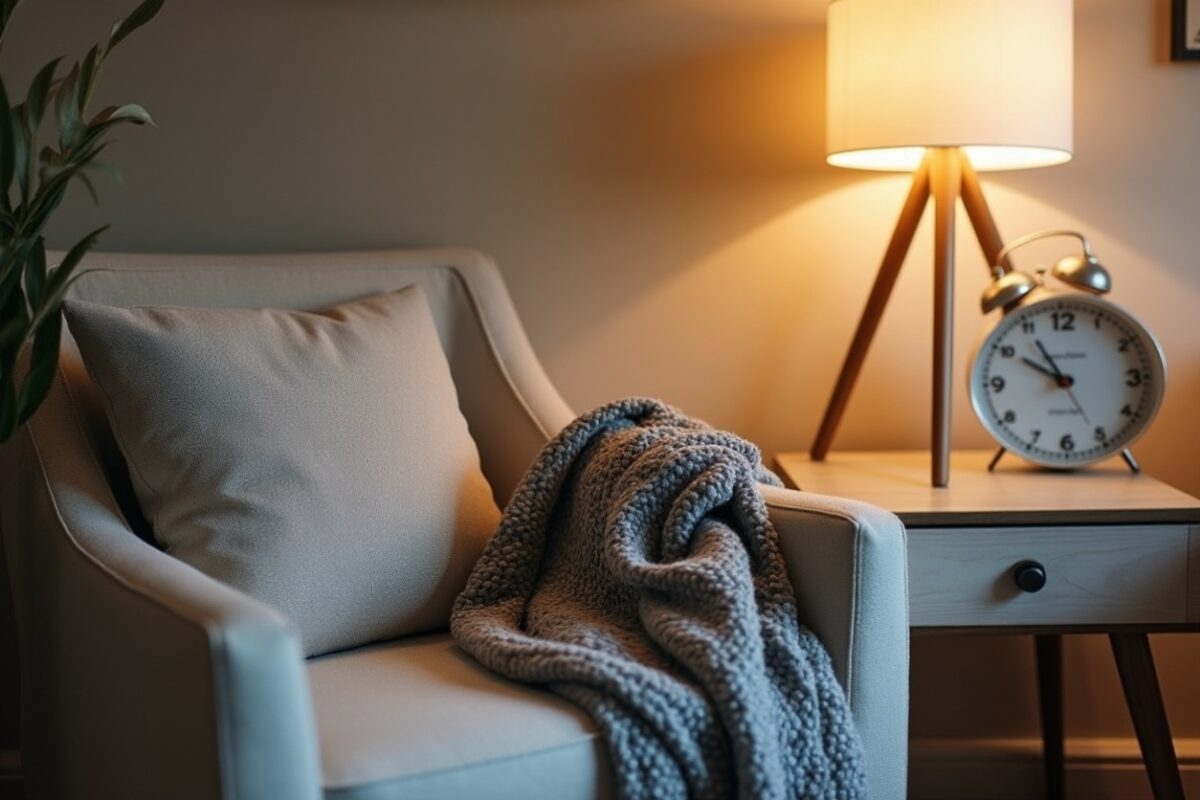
1067, 380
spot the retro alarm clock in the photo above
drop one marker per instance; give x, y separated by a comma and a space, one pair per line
1064, 378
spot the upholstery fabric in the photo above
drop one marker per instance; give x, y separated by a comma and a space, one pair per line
637, 574
190, 689
831, 543
315, 461
420, 718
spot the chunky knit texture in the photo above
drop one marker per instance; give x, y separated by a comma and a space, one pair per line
636, 573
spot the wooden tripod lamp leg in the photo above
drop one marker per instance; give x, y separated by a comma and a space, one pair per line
946, 178
946, 173
980, 215
885, 280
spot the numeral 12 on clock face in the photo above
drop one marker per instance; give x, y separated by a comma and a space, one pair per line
1067, 380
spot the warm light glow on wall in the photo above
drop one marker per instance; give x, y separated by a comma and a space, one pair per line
991, 76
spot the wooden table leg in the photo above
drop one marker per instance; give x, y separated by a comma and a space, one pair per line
1050, 702
1135, 663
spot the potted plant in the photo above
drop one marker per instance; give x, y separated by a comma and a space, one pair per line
33, 181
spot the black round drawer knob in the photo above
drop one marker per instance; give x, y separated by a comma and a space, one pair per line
1030, 576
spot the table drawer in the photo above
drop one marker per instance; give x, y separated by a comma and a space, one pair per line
1102, 575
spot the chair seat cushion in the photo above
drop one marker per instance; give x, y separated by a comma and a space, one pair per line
419, 718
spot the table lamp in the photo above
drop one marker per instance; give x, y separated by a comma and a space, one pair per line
942, 89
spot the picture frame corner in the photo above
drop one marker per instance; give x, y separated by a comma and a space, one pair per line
1185, 30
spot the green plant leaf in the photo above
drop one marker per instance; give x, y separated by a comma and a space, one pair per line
32, 111
43, 361
51, 162
50, 157
11, 270
89, 143
86, 180
31, 296
12, 331
21, 161
66, 108
39, 94
140, 16
60, 277
107, 119
55, 175
88, 72
15, 324
51, 193
6, 11
7, 7
35, 273
102, 123
130, 112
8, 145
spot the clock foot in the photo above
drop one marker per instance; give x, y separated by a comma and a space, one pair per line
996, 459
1134, 467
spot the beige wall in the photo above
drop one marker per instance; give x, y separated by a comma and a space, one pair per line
650, 177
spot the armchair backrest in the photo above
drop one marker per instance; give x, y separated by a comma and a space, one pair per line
510, 405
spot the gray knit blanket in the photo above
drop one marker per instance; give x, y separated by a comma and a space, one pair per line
636, 574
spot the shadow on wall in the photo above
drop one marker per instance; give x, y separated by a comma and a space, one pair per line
602, 152
1168, 450
681, 154
620, 136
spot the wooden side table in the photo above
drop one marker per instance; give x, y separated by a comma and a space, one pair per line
1027, 550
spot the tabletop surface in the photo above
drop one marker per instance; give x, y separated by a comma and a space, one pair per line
1016, 493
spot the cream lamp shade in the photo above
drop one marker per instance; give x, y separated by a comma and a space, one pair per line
993, 77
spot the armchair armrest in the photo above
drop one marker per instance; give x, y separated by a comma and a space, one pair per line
145, 678
847, 563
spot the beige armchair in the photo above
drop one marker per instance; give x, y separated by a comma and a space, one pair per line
144, 678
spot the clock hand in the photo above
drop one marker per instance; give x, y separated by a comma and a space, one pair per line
1058, 378
1065, 381
1078, 407
1062, 379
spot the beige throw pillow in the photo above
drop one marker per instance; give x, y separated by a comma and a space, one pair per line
316, 461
